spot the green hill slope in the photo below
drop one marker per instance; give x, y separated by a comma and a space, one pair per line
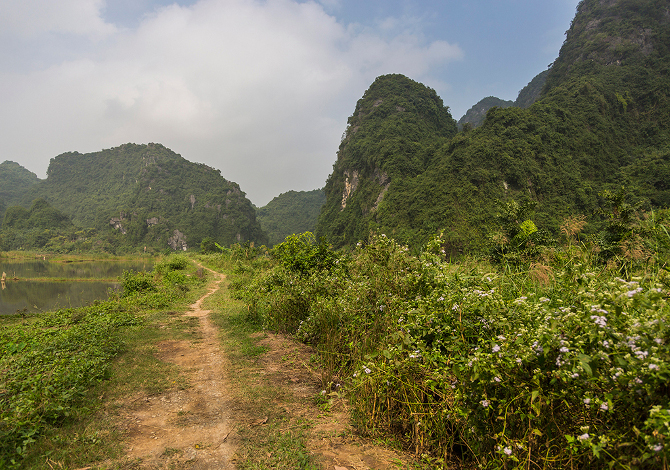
393, 135
291, 212
150, 195
15, 181
601, 123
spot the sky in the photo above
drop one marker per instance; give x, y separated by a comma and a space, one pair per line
259, 89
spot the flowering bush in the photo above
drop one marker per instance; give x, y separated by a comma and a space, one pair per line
462, 362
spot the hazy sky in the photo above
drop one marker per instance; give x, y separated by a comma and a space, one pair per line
260, 89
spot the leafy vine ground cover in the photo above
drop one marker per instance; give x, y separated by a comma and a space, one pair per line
559, 363
50, 362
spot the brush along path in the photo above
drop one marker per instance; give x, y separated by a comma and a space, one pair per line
190, 427
206, 424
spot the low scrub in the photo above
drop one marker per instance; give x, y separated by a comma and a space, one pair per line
561, 362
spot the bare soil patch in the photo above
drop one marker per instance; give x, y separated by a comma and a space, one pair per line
190, 427
333, 440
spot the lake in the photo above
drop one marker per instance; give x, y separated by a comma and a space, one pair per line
44, 285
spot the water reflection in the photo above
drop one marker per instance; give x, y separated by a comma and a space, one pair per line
21, 289
71, 270
48, 295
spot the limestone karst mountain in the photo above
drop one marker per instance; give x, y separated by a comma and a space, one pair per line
602, 122
150, 196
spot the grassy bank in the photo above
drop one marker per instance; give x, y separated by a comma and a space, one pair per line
70, 258
562, 361
271, 435
57, 366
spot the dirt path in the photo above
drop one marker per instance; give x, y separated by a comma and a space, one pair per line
192, 427
188, 428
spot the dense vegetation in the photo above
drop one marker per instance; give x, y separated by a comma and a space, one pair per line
50, 362
558, 357
14, 182
291, 212
136, 196
601, 124
40, 216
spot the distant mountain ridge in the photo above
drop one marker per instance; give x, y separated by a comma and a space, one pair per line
148, 195
477, 113
527, 96
291, 212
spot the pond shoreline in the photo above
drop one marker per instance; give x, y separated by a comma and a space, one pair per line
39, 283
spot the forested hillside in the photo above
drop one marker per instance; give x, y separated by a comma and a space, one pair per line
147, 195
14, 182
393, 137
601, 123
291, 212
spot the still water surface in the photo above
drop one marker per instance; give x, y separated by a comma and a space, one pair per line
78, 283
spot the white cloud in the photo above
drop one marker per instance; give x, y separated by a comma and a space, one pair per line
258, 89
26, 18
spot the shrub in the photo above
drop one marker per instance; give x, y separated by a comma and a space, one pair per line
301, 254
501, 369
136, 282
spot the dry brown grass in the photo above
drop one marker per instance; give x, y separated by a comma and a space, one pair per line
633, 249
573, 225
541, 273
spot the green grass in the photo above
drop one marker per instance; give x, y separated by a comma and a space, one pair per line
279, 443
65, 370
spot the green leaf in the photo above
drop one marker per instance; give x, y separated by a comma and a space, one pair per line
584, 362
534, 395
